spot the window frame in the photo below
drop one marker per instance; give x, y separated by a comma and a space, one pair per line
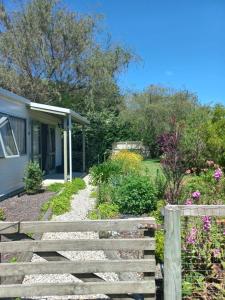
25, 129
14, 140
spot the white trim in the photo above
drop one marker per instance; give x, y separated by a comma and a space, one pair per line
70, 149
3, 144
59, 110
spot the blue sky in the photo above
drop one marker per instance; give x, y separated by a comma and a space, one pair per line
181, 42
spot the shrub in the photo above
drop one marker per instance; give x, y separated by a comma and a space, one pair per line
160, 184
159, 250
33, 178
130, 161
103, 172
2, 214
104, 211
135, 195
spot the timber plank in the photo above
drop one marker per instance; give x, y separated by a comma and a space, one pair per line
76, 226
94, 266
78, 245
62, 289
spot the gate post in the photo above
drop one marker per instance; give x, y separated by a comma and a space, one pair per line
172, 254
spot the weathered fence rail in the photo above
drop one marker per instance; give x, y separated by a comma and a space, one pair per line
172, 251
21, 241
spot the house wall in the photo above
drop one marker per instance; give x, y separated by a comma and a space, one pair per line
12, 169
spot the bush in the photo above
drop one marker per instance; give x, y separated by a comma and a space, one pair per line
160, 184
33, 178
105, 211
2, 214
159, 250
129, 161
135, 195
103, 172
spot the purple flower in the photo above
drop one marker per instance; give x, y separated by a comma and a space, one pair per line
188, 202
191, 237
218, 174
196, 195
206, 223
216, 252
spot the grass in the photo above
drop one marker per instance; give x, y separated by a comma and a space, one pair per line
61, 203
152, 166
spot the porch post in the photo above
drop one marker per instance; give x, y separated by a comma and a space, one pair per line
65, 149
83, 149
70, 149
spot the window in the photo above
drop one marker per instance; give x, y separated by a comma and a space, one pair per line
7, 138
19, 129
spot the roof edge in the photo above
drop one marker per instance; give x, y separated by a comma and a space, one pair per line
13, 96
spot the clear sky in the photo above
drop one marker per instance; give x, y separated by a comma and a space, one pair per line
181, 42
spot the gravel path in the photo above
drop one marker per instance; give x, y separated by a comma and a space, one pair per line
81, 204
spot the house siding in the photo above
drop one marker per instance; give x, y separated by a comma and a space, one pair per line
12, 169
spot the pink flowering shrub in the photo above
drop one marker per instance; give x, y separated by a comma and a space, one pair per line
203, 256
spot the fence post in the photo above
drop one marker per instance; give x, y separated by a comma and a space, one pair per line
172, 254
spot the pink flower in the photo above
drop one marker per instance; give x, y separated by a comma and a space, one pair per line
216, 252
206, 223
188, 202
218, 174
196, 195
191, 238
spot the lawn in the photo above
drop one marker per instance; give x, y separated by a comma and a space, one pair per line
153, 166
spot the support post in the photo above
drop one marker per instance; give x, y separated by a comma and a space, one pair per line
65, 149
70, 149
172, 254
83, 149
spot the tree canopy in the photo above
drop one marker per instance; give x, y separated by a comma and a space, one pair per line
50, 54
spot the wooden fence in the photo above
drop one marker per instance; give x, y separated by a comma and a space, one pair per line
172, 250
21, 241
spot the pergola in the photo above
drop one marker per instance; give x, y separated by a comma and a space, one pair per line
67, 116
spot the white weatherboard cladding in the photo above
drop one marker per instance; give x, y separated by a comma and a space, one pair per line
12, 169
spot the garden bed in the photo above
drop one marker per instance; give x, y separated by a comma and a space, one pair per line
23, 208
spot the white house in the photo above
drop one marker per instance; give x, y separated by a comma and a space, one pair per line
33, 131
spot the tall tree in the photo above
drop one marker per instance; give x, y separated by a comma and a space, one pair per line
50, 54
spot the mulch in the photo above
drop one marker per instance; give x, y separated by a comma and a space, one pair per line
22, 208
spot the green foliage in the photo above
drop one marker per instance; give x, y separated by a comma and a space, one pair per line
2, 214
212, 192
55, 187
103, 172
13, 260
33, 178
214, 135
157, 213
104, 211
160, 184
61, 203
135, 195
159, 250
150, 111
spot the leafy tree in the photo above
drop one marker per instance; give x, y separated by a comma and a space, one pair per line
50, 54
150, 112
214, 135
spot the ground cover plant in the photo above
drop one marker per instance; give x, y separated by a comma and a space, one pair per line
61, 202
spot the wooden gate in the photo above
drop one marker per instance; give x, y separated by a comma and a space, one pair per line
21, 235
